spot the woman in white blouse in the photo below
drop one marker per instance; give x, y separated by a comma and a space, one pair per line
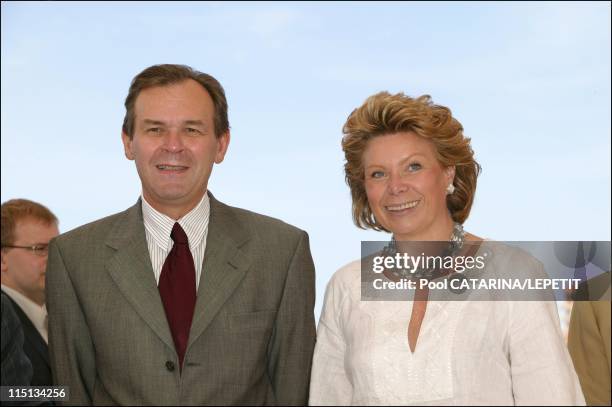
412, 172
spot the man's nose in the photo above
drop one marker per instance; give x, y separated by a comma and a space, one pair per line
173, 141
44, 259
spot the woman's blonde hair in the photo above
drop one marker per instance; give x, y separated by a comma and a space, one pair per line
383, 114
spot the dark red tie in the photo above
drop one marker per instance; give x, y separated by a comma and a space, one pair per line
178, 290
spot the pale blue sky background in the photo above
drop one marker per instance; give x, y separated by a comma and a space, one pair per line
529, 82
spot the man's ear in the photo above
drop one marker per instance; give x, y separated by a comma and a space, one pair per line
222, 145
127, 146
4, 262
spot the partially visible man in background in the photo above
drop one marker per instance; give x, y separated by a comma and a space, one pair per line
589, 339
27, 228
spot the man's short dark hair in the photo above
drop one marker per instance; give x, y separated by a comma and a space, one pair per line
168, 74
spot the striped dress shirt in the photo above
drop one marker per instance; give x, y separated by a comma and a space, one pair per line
158, 227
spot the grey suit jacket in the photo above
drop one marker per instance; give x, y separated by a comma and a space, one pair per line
253, 330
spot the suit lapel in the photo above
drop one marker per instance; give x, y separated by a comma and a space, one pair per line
130, 268
31, 334
224, 266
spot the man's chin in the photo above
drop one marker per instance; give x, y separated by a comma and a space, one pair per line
174, 198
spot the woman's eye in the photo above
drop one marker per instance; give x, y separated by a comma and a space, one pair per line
377, 174
414, 167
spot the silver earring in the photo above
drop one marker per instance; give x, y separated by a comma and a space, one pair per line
450, 189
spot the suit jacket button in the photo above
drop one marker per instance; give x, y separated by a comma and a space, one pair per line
170, 366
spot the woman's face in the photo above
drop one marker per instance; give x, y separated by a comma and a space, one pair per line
406, 186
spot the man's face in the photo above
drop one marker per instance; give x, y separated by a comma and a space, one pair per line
174, 145
23, 270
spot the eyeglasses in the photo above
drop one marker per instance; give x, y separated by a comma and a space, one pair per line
38, 249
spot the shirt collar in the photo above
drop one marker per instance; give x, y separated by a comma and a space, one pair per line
194, 223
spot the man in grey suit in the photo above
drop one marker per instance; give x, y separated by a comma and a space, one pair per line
180, 299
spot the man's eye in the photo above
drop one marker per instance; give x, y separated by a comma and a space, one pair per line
154, 130
191, 130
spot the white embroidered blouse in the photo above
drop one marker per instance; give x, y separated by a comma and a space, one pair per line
467, 353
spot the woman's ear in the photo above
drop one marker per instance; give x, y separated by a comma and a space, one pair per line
450, 174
